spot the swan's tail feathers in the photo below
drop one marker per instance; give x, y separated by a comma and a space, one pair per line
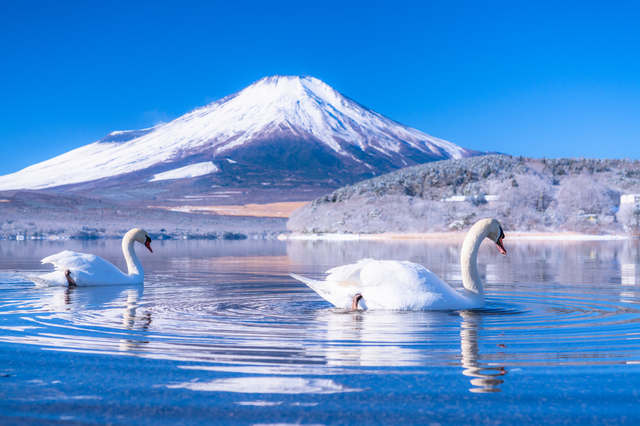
308, 281
33, 278
48, 280
317, 286
338, 294
39, 282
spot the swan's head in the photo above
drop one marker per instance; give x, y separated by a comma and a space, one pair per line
493, 231
141, 236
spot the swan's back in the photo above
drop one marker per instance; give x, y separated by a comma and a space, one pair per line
389, 284
386, 284
71, 260
87, 269
89, 263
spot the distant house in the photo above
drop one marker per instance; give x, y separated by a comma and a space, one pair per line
461, 198
455, 199
589, 217
630, 199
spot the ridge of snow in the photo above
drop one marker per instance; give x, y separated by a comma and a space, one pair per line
192, 170
301, 104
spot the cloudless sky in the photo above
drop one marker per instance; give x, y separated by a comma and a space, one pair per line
533, 78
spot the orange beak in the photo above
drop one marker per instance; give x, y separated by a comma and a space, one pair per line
147, 244
499, 243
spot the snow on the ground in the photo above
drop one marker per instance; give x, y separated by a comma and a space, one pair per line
192, 170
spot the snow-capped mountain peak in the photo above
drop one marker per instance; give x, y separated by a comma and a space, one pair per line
282, 113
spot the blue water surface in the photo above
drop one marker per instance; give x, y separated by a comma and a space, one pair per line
220, 334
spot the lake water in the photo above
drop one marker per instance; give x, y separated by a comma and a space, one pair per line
220, 334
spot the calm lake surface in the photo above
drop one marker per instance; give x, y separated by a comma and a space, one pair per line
220, 334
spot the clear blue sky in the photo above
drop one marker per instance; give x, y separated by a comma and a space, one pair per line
534, 78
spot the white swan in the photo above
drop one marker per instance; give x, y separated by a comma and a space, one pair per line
389, 284
80, 269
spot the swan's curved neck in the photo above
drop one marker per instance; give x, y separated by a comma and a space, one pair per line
468, 259
133, 263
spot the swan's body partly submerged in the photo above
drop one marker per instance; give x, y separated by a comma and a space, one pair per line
389, 284
87, 269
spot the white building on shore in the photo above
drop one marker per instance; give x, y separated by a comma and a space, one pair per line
630, 199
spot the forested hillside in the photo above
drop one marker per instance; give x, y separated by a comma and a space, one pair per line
525, 194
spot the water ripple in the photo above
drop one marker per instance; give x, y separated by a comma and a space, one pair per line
283, 328
255, 320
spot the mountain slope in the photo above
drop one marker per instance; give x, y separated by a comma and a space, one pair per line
295, 129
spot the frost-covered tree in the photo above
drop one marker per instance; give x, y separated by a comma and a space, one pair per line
581, 195
534, 195
525, 201
629, 216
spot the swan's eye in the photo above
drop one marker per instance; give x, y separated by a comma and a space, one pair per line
501, 233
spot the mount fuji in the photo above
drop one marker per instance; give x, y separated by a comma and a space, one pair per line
280, 132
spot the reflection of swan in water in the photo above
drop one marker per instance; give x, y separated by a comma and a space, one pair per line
375, 338
80, 269
108, 301
54, 300
397, 339
129, 316
389, 284
100, 311
485, 378
129, 321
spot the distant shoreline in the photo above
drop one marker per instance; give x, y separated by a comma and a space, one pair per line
513, 236
517, 236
